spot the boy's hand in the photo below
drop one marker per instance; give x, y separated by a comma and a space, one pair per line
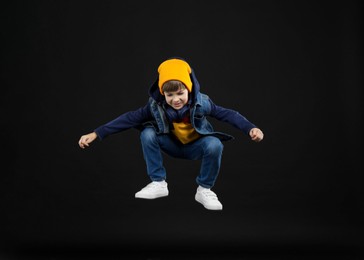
256, 134
85, 140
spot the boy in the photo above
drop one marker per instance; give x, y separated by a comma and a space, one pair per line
174, 121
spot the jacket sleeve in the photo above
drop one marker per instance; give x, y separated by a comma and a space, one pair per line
124, 121
232, 117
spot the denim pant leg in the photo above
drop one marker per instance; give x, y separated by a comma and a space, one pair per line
152, 146
208, 149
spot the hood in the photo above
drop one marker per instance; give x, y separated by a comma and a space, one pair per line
159, 98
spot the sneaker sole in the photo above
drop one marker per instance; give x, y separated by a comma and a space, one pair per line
152, 197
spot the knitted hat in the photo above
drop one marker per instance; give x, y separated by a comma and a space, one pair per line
174, 69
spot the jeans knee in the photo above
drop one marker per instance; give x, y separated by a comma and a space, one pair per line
214, 146
148, 135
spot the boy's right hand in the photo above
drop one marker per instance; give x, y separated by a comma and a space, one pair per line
85, 140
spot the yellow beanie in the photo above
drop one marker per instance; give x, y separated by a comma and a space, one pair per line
174, 69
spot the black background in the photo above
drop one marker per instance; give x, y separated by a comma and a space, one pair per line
294, 68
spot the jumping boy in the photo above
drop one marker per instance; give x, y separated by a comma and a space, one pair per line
174, 121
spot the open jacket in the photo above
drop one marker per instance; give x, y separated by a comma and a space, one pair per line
153, 114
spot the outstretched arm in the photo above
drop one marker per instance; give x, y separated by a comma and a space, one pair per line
125, 121
231, 117
237, 120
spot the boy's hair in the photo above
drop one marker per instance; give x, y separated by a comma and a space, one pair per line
173, 85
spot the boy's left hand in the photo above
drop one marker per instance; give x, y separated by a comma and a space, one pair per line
256, 134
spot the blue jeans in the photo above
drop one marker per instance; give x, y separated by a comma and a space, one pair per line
208, 149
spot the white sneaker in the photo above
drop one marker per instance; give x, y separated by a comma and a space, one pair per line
208, 199
153, 190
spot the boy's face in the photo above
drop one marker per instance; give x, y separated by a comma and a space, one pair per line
176, 99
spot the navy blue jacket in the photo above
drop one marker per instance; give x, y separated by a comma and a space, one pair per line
153, 115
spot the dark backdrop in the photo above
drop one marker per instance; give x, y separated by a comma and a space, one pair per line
294, 68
